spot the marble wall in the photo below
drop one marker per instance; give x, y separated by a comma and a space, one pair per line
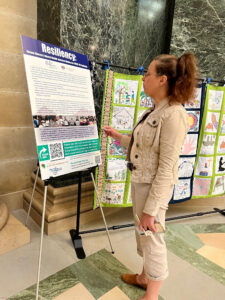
127, 33
199, 27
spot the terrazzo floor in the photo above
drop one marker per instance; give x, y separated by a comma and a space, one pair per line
193, 245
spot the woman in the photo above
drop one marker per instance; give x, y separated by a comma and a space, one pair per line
153, 152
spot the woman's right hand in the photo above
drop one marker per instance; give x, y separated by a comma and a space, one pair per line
109, 131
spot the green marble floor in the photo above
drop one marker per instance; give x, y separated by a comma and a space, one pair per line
182, 240
99, 273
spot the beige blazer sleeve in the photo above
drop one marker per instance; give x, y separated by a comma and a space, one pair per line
173, 132
125, 141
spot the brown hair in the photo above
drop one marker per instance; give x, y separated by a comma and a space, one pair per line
181, 75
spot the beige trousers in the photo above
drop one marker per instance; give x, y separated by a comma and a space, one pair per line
151, 248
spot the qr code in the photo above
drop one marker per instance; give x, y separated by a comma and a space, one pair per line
98, 159
56, 151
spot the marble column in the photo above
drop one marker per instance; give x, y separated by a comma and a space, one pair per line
199, 27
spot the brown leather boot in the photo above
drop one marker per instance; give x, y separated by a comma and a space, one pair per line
132, 279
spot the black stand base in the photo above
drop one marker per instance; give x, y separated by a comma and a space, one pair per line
77, 243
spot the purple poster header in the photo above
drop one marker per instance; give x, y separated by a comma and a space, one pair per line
48, 51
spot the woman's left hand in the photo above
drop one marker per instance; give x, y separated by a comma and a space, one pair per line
147, 222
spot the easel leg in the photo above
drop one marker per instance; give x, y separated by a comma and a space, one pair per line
103, 216
34, 187
42, 232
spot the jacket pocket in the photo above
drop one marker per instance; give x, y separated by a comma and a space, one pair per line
150, 130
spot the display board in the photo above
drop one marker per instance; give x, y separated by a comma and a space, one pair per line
210, 165
124, 102
62, 106
186, 162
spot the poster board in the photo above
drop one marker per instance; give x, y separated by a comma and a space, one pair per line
62, 105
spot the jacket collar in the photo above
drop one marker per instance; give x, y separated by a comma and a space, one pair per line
162, 104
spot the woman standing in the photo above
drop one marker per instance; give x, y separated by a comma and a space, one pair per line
153, 153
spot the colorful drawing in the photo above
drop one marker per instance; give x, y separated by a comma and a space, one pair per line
222, 129
221, 145
196, 102
220, 164
125, 92
219, 185
113, 193
116, 169
212, 122
115, 148
186, 166
182, 190
208, 144
201, 186
123, 118
215, 99
194, 120
204, 166
190, 145
145, 101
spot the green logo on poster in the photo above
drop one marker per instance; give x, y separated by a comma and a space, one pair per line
43, 152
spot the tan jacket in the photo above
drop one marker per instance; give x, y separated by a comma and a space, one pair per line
158, 147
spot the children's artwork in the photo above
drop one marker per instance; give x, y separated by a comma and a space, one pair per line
212, 122
208, 144
219, 185
201, 186
115, 148
145, 101
194, 120
113, 193
220, 164
116, 169
119, 109
221, 144
190, 145
215, 99
125, 91
186, 166
182, 190
196, 102
210, 161
123, 118
205, 166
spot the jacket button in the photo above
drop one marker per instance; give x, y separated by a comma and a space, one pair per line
136, 156
137, 145
134, 168
154, 122
138, 133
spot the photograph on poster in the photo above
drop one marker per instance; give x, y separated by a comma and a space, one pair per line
125, 92
59, 121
